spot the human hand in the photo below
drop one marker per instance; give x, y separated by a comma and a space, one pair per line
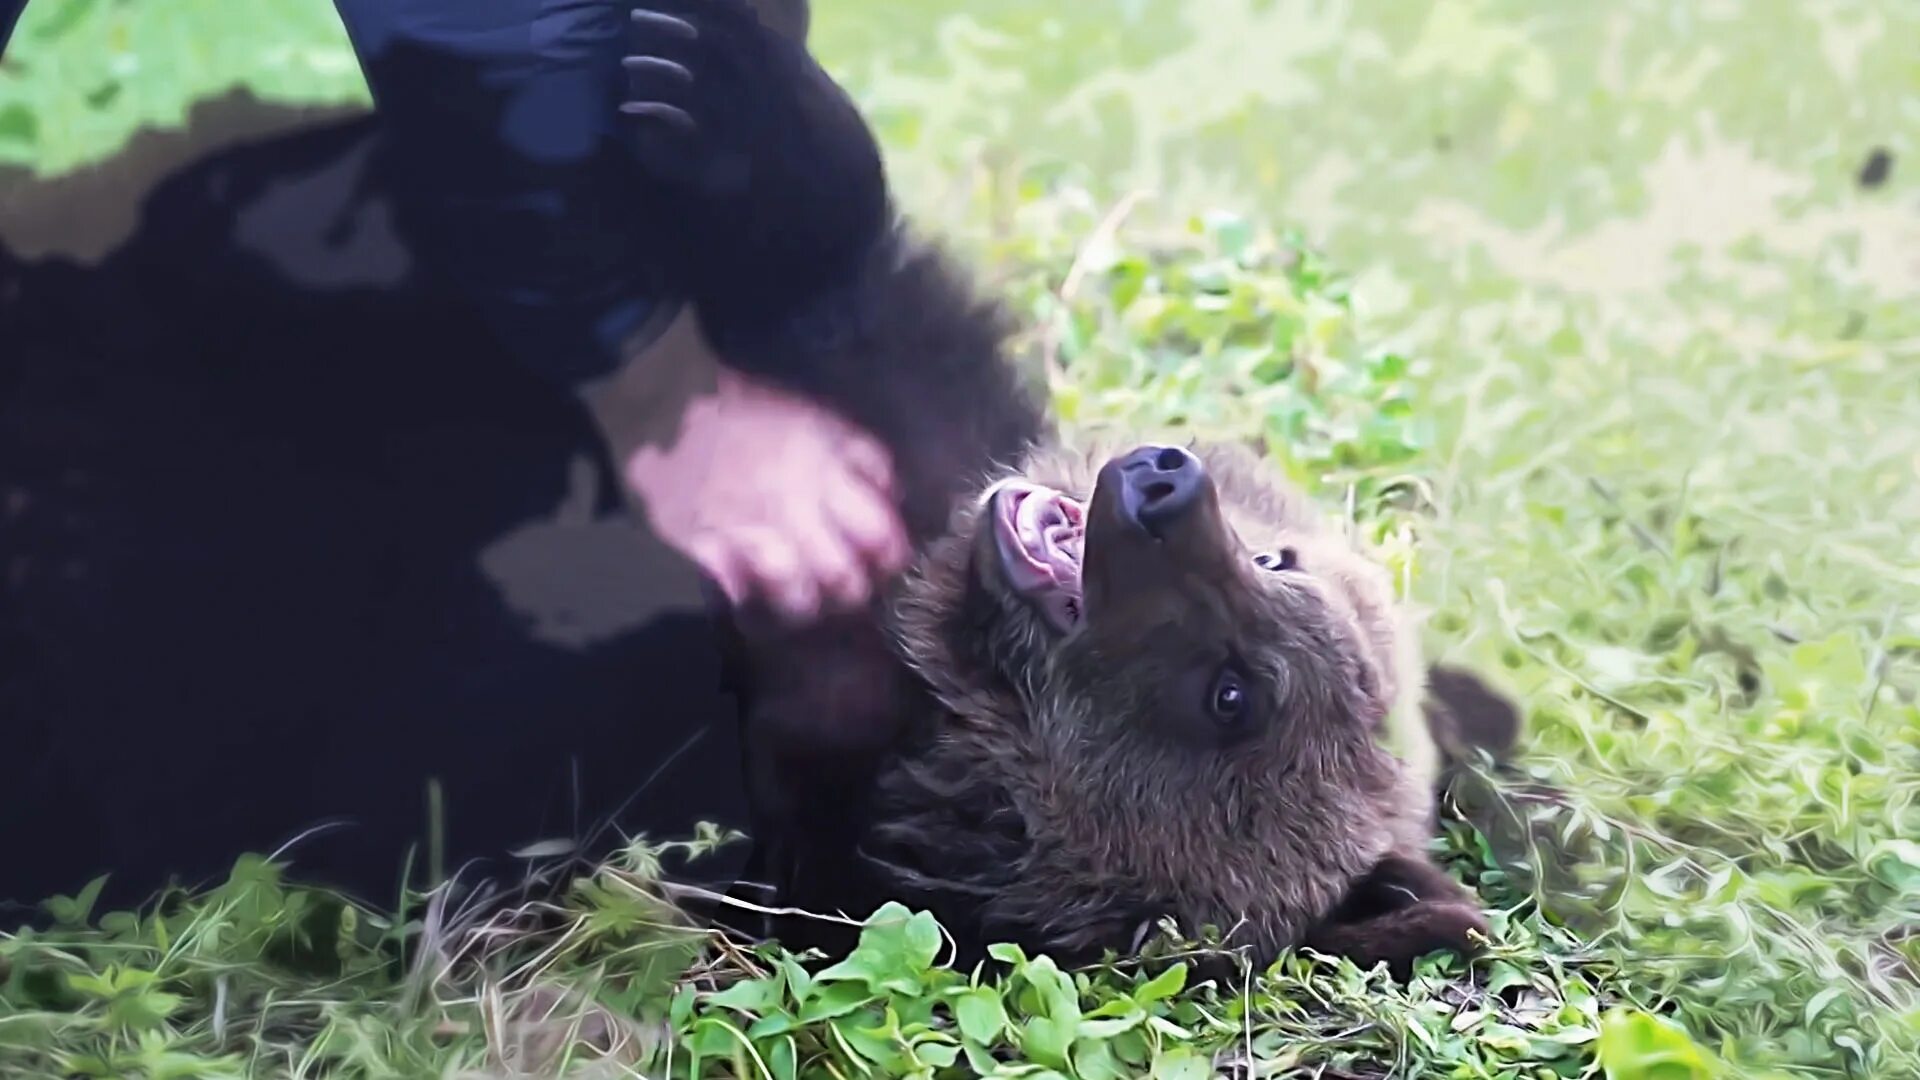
776, 498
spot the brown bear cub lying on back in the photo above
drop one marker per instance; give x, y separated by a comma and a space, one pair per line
1161, 687
1143, 685
1114, 688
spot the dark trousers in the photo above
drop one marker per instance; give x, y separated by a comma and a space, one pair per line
286, 536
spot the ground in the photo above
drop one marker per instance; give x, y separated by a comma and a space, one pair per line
1607, 330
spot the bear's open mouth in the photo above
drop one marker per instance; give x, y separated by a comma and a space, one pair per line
1039, 535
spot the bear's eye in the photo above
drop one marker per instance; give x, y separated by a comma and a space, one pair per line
1287, 559
1227, 698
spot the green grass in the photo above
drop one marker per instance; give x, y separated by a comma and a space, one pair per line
1625, 378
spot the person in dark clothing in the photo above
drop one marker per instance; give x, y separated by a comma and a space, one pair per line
502, 122
358, 500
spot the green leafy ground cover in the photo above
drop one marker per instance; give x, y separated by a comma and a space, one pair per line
1597, 333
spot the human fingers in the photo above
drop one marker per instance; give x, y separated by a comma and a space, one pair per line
774, 570
721, 562
869, 523
866, 458
833, 563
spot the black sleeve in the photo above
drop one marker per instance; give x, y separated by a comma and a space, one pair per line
500, 118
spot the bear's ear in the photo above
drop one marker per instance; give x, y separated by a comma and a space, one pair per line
1467, 713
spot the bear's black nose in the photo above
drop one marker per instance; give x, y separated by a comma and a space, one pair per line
1159, 485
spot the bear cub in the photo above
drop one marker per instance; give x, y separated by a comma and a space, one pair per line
1158, 685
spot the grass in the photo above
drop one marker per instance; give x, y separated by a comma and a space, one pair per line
1648, 454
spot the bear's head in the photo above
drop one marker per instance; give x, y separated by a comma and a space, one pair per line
1160, 682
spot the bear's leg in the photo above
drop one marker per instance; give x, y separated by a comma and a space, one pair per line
1405, 908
